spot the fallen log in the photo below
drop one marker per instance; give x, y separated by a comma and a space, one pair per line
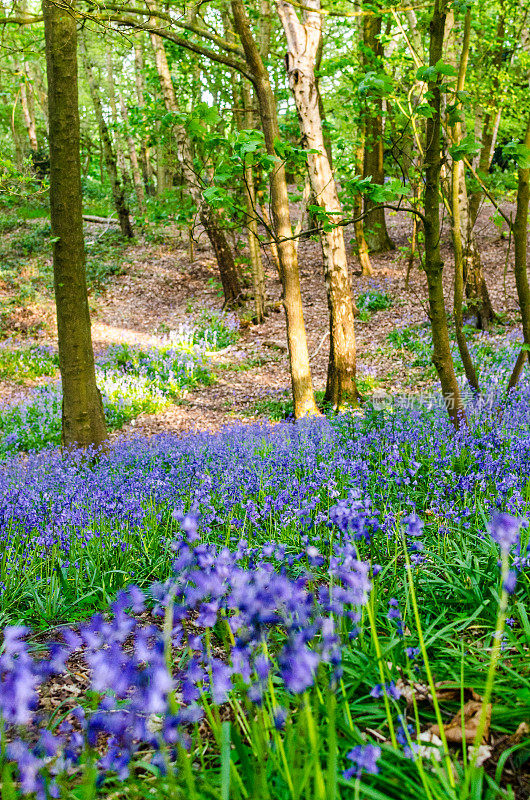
101, 220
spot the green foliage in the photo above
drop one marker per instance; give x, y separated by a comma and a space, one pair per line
373, 300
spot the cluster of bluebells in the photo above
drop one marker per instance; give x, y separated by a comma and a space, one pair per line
356, 479
141, 702
132, 381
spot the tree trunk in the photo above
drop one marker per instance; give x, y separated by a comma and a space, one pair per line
520, 243
458, 180
135, 167
83, 420
120, 157
358, 226
303, 42
258, 276
479, 303
27, 109
208, 217
441, 357
490, 124
375, 229
118, 192
145, 154
303, 397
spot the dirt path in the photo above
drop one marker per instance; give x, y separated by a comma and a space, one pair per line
159, 289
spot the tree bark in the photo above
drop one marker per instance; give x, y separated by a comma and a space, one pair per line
458, 180
145, 154
520, 243
479, 303
118, 192
135, 167
209, 217
375, 229
441, 357
363, 250
83, 420
303, 40
302, 385
258, 275
27, 109
120, 157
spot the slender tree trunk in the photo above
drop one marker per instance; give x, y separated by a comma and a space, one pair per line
303, 42
208, 217
458, 179
120, 157
375, 229
83, 420
489, 124
303, 397
135, 167
145, 154
118, 192
358, 226
441, 357
258, 276
520, 242
27, 109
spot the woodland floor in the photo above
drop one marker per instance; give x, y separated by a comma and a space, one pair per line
158, 288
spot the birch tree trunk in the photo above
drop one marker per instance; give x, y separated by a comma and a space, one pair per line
441, 357
476, 290
303, 41
208, 217
258, 276
302, 385
83, 420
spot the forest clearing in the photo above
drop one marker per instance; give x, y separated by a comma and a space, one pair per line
264, 400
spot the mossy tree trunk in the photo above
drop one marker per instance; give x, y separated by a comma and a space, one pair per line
441, 357
83, 420
520, 243
209, 217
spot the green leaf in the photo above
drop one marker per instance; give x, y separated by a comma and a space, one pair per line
446, 69
467, 147
426, 74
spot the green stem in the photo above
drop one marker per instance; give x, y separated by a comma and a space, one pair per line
430, 680
381, 673
494, 661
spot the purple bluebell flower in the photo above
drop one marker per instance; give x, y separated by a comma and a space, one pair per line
364, 758
504, 529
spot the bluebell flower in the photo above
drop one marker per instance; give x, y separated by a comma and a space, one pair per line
364, 758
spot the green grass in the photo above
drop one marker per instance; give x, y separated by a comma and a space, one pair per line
371, 301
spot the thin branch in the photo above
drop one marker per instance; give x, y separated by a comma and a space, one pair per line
188, 26
165, 33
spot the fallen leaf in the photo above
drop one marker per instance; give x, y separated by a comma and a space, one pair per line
445, 690
470, 713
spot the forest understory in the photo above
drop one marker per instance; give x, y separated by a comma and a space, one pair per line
157, 288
